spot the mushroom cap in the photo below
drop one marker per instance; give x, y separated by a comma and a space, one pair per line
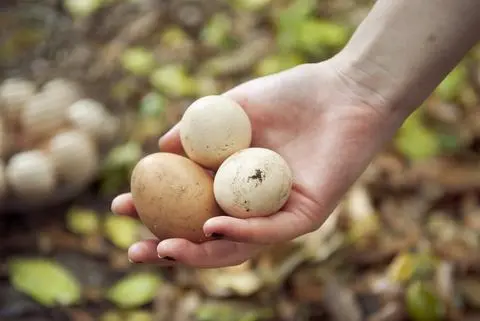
213, 128
253, 182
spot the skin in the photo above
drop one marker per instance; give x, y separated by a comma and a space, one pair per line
347, 108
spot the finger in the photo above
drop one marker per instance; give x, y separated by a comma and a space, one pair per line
123, 205
146, 252
280, 227
170, 142
212, 254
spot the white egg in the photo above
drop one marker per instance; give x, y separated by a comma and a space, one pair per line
15, 93
253, 182
3, 180
5, 141
31, 175
213, 128
44, 114
89, 116
63, 89
75, 157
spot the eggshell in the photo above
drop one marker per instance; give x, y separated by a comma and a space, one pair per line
31, 174
5, 140
253, 182
3, 180
173, 196
213, 128
15, 93
90, 116
74, 156
44, 113
65, 89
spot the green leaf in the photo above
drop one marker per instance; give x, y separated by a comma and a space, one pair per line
289, 23
415, 141
450, 87
45, 281
251, 5
82, 8
122, 231
82, 221
173, 80
423, 304
138, 61
118, 165
135, 290
317, 36
217, 32
152, 105
220, 311
276, 63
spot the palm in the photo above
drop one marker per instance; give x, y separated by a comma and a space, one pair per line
326, 142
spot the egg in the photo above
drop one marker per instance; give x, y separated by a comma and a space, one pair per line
63, 89
253, 182
213, 128
5, 141
74, 156
44, 113
90, 116
173, 196
15, 93
31, 175
3, 180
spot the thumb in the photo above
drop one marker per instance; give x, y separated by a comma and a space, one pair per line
170, 142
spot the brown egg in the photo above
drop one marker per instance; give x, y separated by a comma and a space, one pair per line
173, 196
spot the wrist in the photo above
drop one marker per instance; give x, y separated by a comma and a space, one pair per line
373, 85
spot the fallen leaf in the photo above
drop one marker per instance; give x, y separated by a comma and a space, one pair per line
45, 281
135, 290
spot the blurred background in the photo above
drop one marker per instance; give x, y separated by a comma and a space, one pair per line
88, 86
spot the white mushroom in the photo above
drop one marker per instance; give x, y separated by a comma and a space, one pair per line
253, 182
44, 114
31, 175
89, 116
213, 128
74, 156
15, 93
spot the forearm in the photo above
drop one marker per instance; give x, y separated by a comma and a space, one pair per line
404, 48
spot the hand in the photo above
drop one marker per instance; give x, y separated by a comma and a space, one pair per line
328, 133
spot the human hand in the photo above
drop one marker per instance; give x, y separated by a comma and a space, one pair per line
325, 128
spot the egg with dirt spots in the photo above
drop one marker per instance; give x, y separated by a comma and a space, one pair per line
173, 196
213, 128
253, 182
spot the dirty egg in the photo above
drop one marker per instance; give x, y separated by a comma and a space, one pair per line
173, 196
213, 128
253, 182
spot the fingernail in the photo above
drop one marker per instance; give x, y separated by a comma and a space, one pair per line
168, 258
133, 262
